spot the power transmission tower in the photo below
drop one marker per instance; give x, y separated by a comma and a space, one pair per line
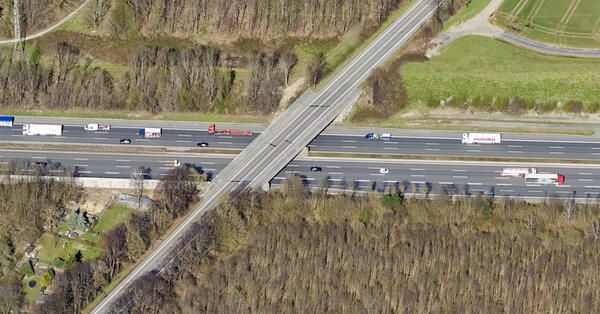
19, 45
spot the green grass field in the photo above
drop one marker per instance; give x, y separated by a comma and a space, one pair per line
111, 217
480, 67
561, 22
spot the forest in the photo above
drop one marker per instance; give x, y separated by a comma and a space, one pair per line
295, 251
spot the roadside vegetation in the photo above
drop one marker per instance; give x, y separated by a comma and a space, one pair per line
231, 58
564, 23
295, 251
487, 75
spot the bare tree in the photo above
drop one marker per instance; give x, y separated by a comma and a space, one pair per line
569, 211
596, 230
317, 68
288, 61
98, 10
137, 182
68, 57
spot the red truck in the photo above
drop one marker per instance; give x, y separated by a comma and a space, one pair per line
212, 129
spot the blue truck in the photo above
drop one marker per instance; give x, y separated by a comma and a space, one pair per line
7, 121
382, 136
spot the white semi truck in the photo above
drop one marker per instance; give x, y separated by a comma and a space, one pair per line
43, 129
481, 138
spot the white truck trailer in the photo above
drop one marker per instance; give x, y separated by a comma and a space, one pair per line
97, 127
150, 132
481, 138
517, 172
43, 129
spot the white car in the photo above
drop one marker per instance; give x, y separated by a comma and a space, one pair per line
384, 170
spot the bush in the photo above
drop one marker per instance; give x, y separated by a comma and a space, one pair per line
543, 107
516, 106
593, 107
26, 269
573, 106
432, 103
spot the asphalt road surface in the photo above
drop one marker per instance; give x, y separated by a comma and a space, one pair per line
582, 181
432, 145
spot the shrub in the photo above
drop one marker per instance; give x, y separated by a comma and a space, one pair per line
26, 269
516, 106
593, 107
432, 103
573, 106
543, 107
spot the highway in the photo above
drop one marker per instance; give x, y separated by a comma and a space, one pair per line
582, 181
279, 143
434, 144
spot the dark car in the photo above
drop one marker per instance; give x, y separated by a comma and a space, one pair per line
41, 163
125, 141
316, 169
203, 144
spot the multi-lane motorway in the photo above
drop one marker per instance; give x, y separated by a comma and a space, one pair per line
445, 144
583, 181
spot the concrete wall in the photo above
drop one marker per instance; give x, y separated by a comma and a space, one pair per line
97, 183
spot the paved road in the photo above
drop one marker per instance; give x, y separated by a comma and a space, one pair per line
270, 152
432, 143
347, 174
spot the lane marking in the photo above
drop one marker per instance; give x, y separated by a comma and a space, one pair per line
84, 171
362, 180
501, 178
183, 141
80, 159
388, 142
376, 174
123, 166
585, 180
515, 146
432, 143
395, 148
336, 173
432, 149
417, 182
37, 157
390, 181
83, 166
417, 175
123, 160
592, 187
556, 147
348, 141
111, 172
225, 143
504, 184
184, 135
585, 174
474, 150
564, 192
448, 183
460, 177
293, 166
333, 167
515, 151
417, 169
459, 170
349, 147
535, 191
508, 191
474, 183
557, 153
101, 138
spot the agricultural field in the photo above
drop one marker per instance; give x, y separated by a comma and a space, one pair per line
573, 23
478, 67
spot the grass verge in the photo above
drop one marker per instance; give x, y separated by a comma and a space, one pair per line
478, 67
116, 148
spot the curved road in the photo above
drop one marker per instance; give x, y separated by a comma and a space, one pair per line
48, 29
480, 25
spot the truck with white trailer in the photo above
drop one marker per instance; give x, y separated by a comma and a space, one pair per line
382, 136
150, 132
545, 178
97, 127
481, 138
517, 172
43, 129
7, 121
